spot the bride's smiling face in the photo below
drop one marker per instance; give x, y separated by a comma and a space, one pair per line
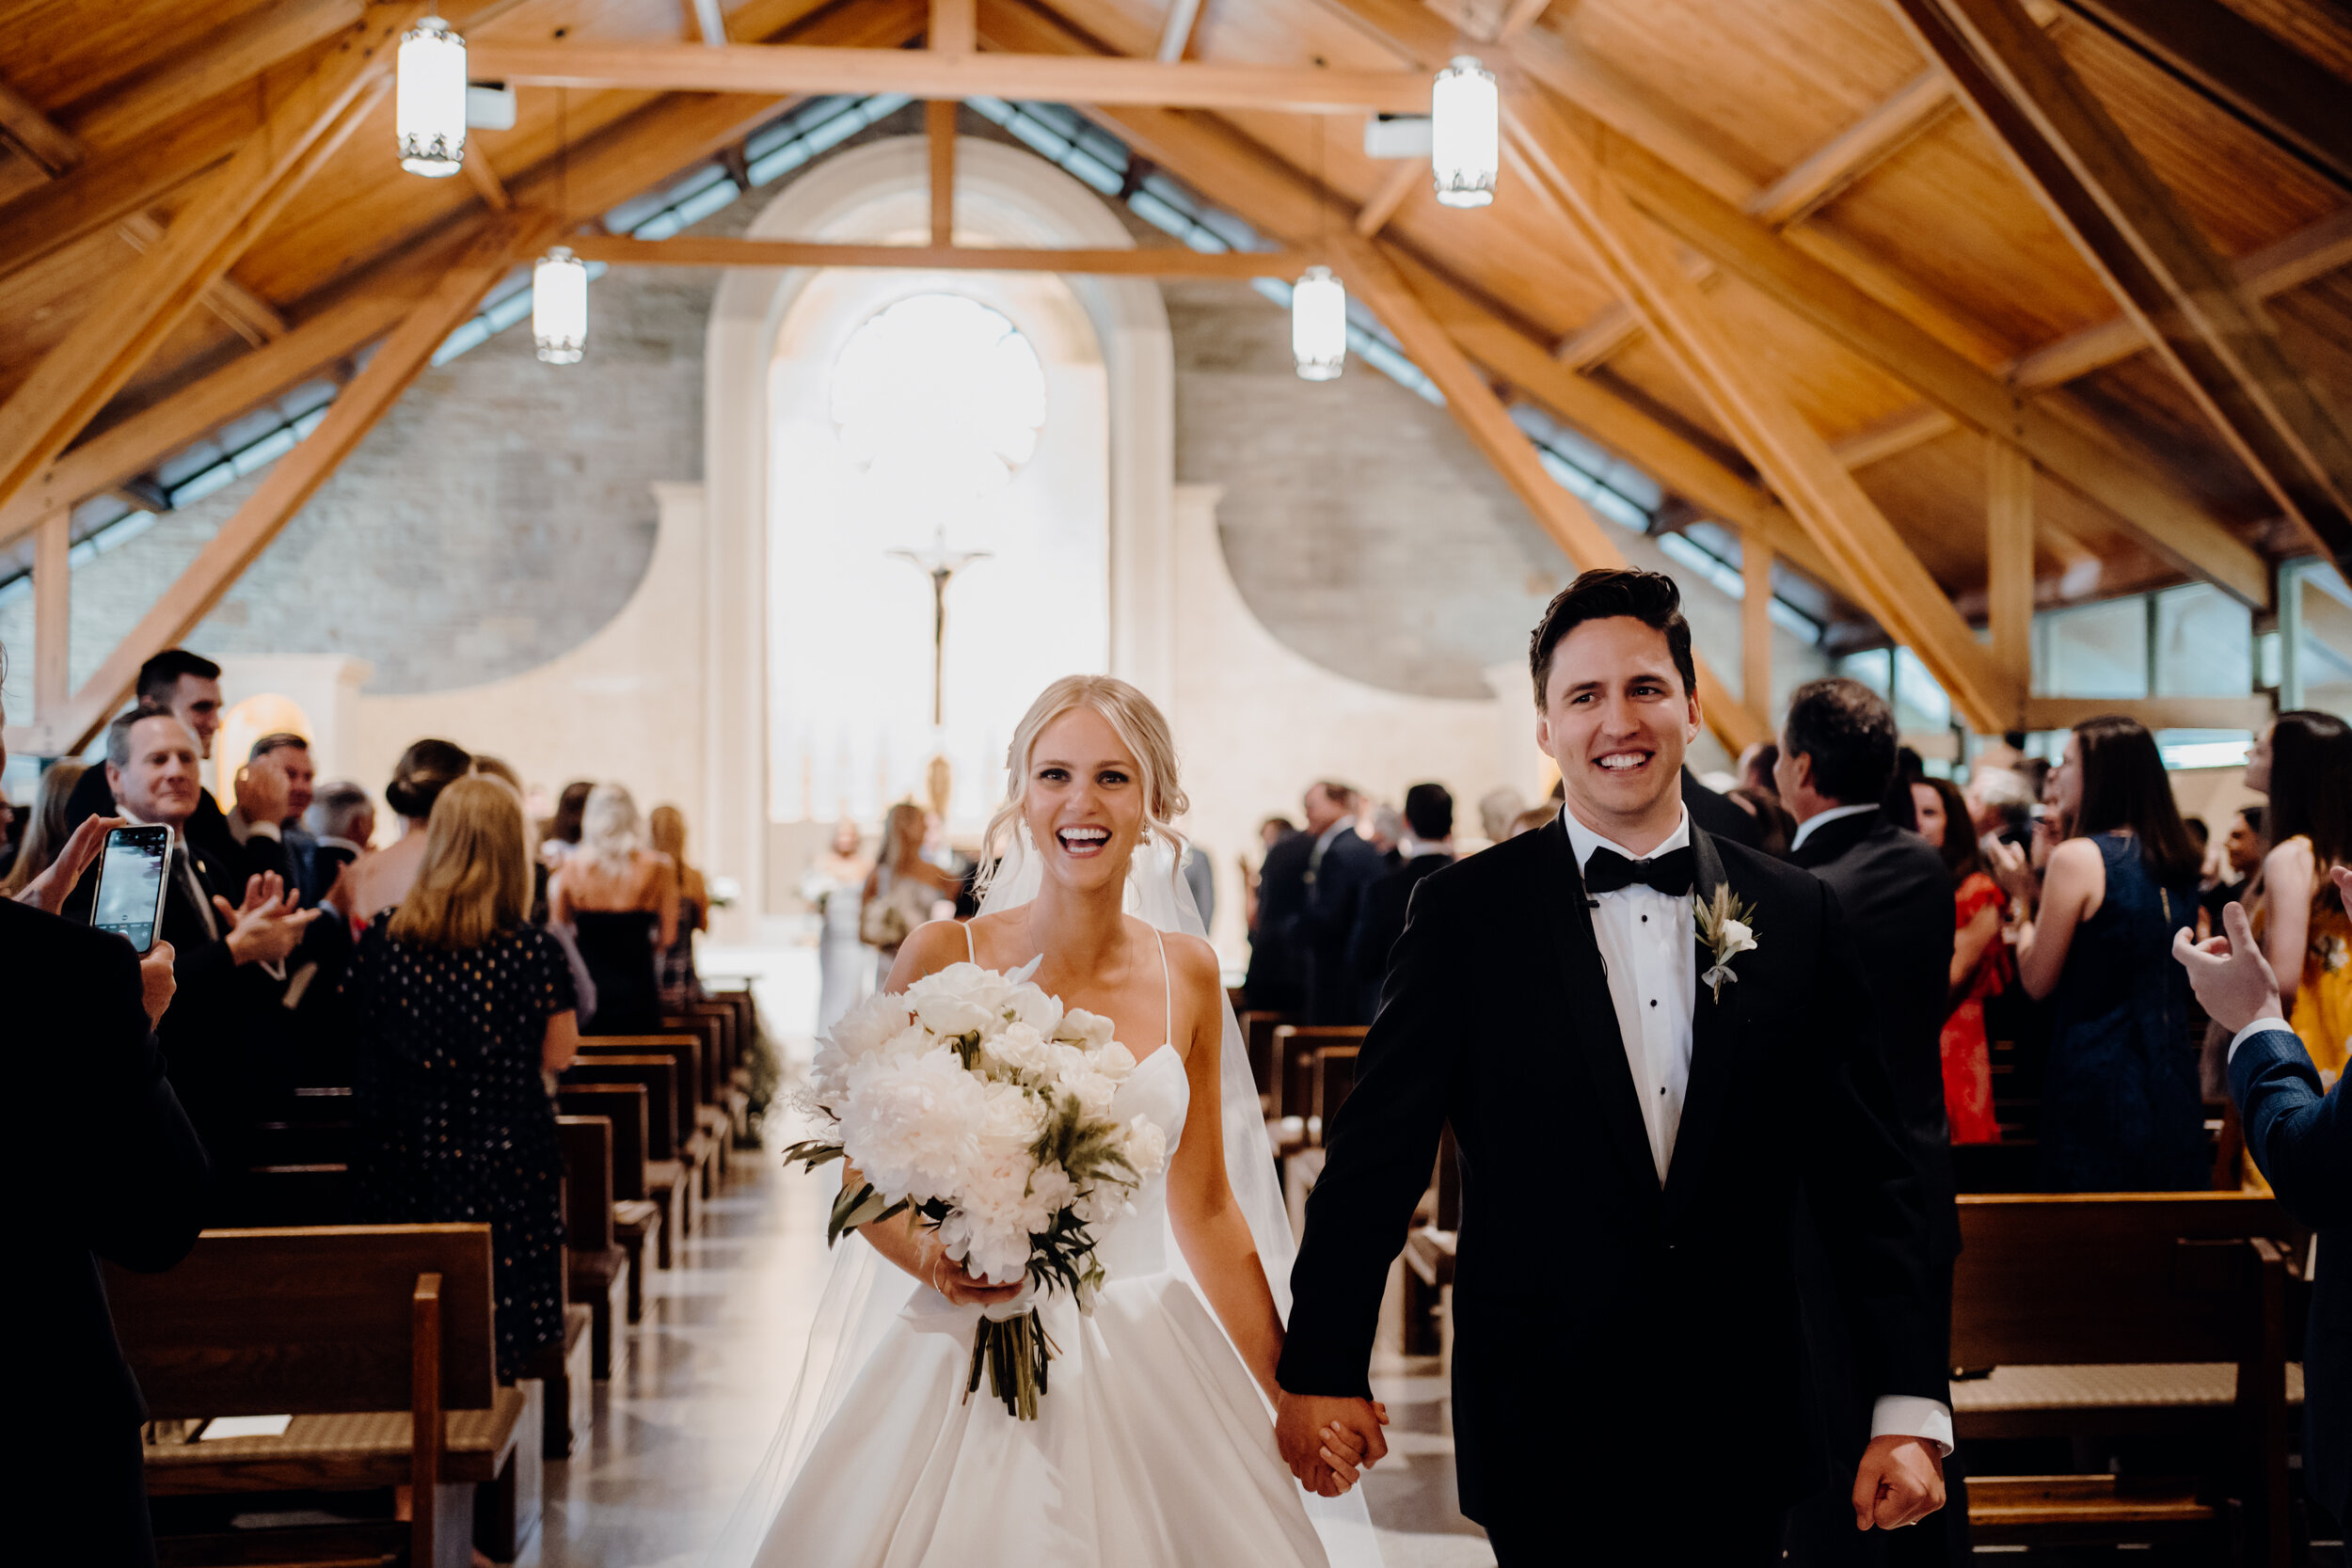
1084, 801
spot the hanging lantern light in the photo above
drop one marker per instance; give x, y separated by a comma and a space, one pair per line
558, 307
1464, 139
1318, 325
430, 106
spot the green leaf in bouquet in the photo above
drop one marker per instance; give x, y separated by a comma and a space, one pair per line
852, 1208
813, 1153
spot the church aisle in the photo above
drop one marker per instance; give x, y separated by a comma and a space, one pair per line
682, 1425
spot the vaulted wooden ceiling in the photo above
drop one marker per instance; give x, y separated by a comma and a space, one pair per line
1933, 300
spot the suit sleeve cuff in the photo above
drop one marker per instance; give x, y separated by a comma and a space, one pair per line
1912, 1416
2259, 1026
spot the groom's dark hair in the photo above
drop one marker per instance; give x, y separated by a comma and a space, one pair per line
1605, 591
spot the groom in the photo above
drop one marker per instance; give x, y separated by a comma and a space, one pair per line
1640, 1111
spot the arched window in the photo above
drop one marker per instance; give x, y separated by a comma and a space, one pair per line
938, 399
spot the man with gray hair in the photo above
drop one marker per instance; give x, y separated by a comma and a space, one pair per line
340, 820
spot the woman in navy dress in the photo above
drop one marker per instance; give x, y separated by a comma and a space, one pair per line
462, 1005
2121, 1108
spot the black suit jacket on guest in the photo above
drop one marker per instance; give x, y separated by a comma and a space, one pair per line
79, 1049
1336, 883
1381, 920
2302, 1140
1275, 982
1717, 815
208, 829
1601, 1320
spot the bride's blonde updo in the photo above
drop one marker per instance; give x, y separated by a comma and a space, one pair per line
1141, 727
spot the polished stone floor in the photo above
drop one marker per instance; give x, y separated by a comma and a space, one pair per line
683, 1422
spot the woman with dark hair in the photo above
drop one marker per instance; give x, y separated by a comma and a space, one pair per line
1980, 962
2121, 1108
2304, 764
382, 879
561, 833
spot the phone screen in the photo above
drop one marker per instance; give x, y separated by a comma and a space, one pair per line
131, 884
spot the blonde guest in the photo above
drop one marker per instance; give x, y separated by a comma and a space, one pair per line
680, 984
620, 897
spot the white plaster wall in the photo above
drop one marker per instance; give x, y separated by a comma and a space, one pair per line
1256, 722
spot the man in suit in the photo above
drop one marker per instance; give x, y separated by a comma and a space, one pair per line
1275, 983
1427, 847
1340, 866
340, 820
2300, 1133
1639, 1111
1718, 816
289, 755
1837, 762
80, 1018
229, 1035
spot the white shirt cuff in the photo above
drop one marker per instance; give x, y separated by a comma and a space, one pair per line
1910, 1416
2258, 1026
261, 830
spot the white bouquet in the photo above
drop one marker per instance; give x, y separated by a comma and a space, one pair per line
973, 1099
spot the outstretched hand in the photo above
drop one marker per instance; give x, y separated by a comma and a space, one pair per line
1899, 1482
1328, 1441
2233, 980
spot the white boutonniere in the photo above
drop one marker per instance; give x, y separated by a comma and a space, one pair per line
1727, 926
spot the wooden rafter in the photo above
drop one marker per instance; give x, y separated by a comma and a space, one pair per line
1488, 423
2009, 559
1570, 179
1755, 631
93, 360
1374, 214
289, 484
484, 178
1816, 179
52, 613
232, 54
938, 134
953, 29
1177, 29
2160, 269
924, 74
1140, 261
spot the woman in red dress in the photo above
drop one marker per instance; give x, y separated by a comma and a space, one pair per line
1979, 960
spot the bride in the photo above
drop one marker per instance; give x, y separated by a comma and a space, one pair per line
1154, 1444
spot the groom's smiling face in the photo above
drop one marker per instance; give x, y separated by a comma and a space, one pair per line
1617, 718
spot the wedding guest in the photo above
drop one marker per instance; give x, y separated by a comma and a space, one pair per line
1498, 810
383, 880
290, 755
1713, 811
1533, 819
1979, 960
2121, 1109
902, 887
621, 900
561, 834
1201, 881
1276, 982
835, 887
49, 828
1382, 826
342, 820
1836, 772
680, 984
1340, 866
1427, 847
2241, 855
462, 1005
1776, 828
2301, 1135
1756, 765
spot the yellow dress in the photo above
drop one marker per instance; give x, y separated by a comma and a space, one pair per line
2323, 996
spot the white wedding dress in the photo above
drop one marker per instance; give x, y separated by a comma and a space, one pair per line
1153, 1447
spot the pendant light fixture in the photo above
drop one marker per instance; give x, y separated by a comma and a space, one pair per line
1465, 133
429, 108
1318, 325
559, 306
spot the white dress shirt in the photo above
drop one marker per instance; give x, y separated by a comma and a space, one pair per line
1823, 819
1650, 950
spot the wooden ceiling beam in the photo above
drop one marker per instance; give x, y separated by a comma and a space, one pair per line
1373, 215
117, 334
784, 69
1816, 179
24, 127
1572, 179
232, 54
1488, 423
1177, 29
484, 178
953, 29
2296, 101
939, 137
2144, 246
1139, 261
290, 484
1281, 201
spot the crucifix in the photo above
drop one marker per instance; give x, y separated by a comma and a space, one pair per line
940, 566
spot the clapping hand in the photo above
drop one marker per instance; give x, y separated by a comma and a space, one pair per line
1328, 1441
266, 927
2233, 980
263, 793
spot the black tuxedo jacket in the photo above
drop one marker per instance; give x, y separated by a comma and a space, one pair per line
1380, 921
1320, 929
1275, 983
1897, 899
2302, 1140
1604, 1322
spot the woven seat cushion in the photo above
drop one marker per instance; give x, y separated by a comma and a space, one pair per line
338, 1453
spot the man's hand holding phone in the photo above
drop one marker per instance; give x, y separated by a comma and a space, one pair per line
268, 926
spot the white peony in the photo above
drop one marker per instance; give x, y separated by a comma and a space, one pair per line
1037, 1008
911, 1123
1145, 1145
1094, 1090
875, 1024
1081, 1027
1023, 1050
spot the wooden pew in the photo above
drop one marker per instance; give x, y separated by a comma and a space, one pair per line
1335, 1075
1429, 1250
712, 1029
2105, 1314
668, 1183
637, 1219
1294, 1046
377, 1341
726, 1094
748, 1042
1257, 1030
696, 1146
599, 1267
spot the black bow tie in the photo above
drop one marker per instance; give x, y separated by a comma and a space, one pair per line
1671, 873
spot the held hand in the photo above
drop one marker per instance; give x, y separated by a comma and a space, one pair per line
156, 981
948, 1277
262, 792
1900, 1481
1343, 1455
47, 892
2232, 978
1308, 1425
